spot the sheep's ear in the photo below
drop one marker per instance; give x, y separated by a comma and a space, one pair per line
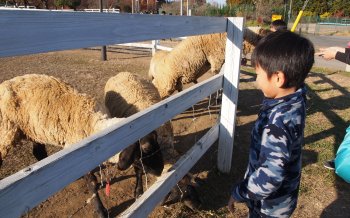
154, 135
128, 156
149, 142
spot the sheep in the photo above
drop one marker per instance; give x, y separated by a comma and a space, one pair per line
252, 36
127, 94
49, 111
189, 60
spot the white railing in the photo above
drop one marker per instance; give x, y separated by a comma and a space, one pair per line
154, 45
106, 10
54, 31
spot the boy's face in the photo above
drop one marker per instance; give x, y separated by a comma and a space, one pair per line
265, 84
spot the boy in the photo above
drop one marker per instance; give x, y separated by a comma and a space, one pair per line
278, 25
270, 187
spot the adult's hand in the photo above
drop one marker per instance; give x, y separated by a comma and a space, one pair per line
330, 52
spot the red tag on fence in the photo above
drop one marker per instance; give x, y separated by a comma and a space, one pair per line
108, 189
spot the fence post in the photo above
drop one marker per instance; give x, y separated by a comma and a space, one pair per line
103, 48
230, 92
154, 46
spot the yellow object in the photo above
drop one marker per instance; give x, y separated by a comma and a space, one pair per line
297, 21
325, 15
276, 17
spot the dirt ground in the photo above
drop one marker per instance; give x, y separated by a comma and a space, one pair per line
83, 69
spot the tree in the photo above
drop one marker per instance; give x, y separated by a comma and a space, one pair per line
265, 8
89, 4
323, 6
318, 7
341, 7
233, 2
47, 4
67, 3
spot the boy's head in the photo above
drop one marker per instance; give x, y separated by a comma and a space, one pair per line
278, 25
287, 53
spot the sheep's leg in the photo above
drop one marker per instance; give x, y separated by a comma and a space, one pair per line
9, 133
215, 64
190, 195
164, 201
39, 151
139, 184
191, 198
172, 197
185, 192
178, 85
93, 187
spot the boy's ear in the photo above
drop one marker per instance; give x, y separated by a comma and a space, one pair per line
280, 79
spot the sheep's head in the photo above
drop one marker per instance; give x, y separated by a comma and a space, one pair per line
152, 158
128, 156
145, 154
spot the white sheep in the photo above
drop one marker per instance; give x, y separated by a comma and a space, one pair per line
190, 59
49, 111
127, 94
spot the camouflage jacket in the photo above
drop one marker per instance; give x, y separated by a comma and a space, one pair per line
271, 183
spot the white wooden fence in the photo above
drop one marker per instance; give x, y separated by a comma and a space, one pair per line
106, 10
30, 32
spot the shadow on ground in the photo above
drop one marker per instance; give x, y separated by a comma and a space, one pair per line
340, 206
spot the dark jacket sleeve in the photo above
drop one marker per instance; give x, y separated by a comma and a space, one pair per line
343, 57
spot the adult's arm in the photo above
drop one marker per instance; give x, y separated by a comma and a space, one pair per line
343, 57
330, 52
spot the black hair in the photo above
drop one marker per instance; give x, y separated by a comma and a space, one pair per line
279, 25
286, 52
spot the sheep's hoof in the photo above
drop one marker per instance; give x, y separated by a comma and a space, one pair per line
198, 182
244, 61
193, 205
102, 214
138, 193
191, 199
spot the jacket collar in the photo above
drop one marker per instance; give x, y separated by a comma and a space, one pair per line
300, 94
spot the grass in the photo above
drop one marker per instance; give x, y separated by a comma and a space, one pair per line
329, 71
325, 128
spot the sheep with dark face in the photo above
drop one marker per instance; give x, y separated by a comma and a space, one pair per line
49, 111
127, 94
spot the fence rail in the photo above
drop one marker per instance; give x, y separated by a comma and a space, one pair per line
106, 10
56, 31
35, 32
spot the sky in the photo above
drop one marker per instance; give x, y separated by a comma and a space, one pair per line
219, 2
